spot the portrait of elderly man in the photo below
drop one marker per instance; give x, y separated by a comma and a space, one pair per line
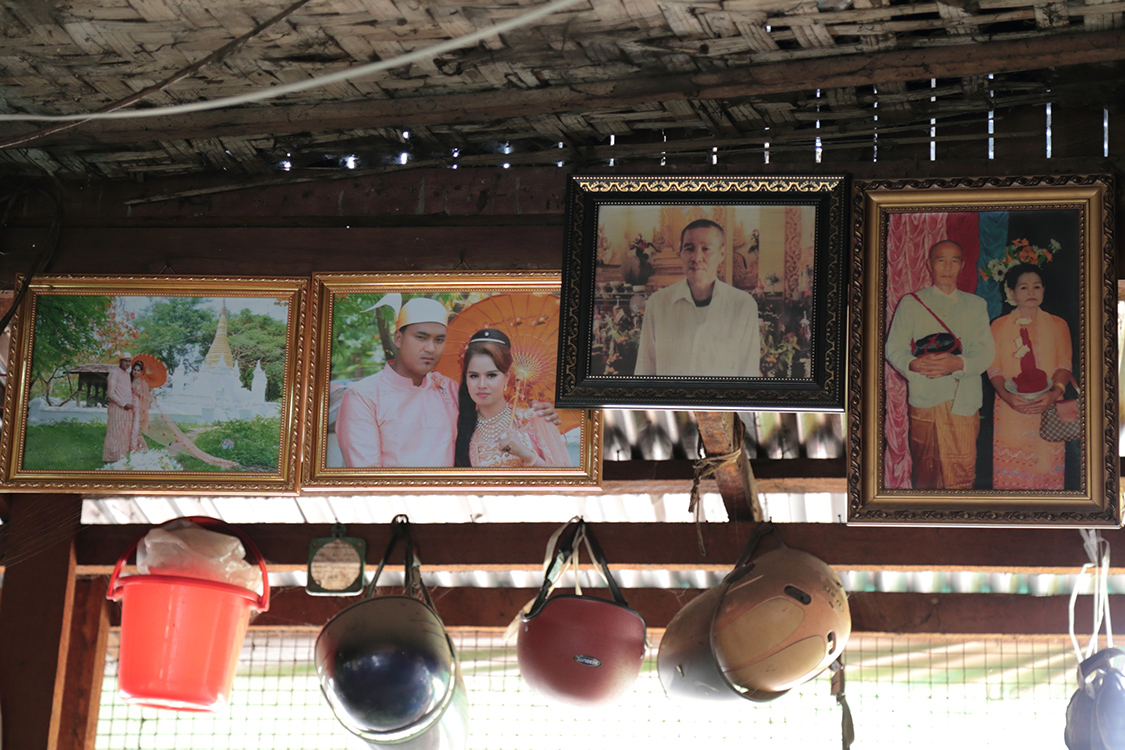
940, 341
700, 325
119, 416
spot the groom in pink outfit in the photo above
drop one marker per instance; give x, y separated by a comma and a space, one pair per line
405, 415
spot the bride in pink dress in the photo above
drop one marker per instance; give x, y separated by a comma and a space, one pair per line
490, 431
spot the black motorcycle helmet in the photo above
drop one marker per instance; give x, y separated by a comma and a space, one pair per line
389, 670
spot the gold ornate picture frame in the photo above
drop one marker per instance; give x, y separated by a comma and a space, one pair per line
1020, 272
371, 426
155, 384
704, 292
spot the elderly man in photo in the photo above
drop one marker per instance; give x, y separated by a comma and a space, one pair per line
699, 325
119, 417
943, 379
405, 414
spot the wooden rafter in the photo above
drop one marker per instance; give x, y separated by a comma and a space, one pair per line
662, 546
872, 68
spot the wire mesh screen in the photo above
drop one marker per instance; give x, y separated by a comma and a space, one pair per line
903, 692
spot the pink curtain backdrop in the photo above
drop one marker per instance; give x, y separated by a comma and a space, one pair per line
909, 237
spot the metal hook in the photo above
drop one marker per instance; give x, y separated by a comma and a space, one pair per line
461, 262
167, 268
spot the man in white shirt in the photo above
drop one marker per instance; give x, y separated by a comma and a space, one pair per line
943, 389
700, 326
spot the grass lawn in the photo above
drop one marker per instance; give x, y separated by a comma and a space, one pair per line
64, 446
77, 446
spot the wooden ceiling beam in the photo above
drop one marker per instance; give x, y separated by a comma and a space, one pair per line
870, 68
661, 546
905, 613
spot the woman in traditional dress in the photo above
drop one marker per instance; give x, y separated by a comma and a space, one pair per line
490, 432
1030, 343
142, 400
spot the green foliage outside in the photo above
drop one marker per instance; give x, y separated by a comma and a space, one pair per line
173, 329
253, 443
361, 341
258, 338
66, 334
72, 330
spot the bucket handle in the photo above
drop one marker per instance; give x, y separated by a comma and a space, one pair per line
113, 591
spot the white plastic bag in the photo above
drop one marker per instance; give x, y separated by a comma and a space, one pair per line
186, 549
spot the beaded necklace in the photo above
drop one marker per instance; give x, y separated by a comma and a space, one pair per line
487, 433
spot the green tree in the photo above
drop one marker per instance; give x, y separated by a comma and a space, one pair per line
258, 338
175, 328
66, 329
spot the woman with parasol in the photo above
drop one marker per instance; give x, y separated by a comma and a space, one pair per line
146, 373
491, 432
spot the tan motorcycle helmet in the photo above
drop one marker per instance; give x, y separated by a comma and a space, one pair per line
773, 623
782, 619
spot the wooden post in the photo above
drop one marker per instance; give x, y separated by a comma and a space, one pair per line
85, 665
39, 562
735, 478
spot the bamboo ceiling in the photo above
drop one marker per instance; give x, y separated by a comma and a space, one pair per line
656, 75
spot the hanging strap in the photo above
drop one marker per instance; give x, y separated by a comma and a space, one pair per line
847, 726
567, 544
1097, 549
412, 566
742, 566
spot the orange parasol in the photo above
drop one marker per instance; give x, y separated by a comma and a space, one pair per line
531, 321
155, 373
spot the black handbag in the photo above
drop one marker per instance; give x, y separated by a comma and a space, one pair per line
942, 342
937, 343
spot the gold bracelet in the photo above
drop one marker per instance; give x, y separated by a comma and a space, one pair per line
1060, 386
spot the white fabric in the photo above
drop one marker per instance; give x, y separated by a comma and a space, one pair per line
721, 339
967, 316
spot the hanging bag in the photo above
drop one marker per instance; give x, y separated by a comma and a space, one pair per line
1061, 422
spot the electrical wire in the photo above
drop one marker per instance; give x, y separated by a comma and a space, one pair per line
343, 75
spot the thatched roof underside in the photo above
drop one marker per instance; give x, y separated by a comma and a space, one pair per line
600, 79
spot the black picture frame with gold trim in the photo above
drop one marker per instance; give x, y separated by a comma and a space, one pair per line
785, 244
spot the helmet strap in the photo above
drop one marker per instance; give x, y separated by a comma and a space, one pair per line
1097, 549
412, 566
847, 725
742, 566
563, 553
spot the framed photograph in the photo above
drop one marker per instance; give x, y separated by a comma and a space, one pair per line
984, 325
441, 380
704, 293
155, 384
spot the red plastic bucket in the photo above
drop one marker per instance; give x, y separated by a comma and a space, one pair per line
180, 636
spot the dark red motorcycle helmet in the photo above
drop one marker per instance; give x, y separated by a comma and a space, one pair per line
580, 649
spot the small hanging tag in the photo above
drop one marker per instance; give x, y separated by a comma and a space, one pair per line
336, 564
